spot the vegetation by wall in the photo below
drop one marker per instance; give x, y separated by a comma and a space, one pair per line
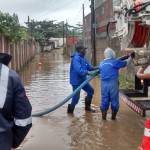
16, 40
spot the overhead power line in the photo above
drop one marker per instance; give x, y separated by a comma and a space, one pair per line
47, 12
80, 11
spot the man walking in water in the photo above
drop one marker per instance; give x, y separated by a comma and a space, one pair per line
79, 69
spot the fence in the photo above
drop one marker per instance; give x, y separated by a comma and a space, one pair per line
22, 52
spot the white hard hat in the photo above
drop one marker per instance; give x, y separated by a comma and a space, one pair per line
109, 53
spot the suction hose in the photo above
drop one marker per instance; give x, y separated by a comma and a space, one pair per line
66, 99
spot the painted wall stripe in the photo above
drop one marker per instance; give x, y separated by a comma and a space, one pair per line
3, 84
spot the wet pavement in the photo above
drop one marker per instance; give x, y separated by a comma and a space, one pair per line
46, 81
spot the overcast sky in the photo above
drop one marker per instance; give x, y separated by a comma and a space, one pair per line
60, 10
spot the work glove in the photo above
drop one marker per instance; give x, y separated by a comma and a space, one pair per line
93, 73
132, 55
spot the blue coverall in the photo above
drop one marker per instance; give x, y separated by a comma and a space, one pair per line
109, 70
78, 71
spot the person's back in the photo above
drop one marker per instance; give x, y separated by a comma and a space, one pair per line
109, 68
15, 108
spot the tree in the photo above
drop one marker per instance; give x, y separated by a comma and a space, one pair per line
42, 31
10, 27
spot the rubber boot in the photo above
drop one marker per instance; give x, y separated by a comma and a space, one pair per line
88, 104
70, 109
104, 114
114, 113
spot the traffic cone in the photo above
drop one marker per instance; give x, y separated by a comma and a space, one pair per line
146, 139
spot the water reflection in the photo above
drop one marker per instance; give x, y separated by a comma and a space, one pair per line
48, 83
86, 133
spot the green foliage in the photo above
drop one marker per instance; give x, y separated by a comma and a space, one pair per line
125, 83
10, 27
44, 30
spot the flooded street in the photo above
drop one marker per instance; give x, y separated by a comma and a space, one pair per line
46, 85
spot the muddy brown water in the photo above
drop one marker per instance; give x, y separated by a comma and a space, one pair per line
48, 84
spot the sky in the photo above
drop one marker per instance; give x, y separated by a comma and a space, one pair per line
39, 10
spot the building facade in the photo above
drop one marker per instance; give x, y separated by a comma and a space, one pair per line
103, 15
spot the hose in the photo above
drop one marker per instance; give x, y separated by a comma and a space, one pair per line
66, 99
137, 11
107, 29
71, 95
129, 11
124, 57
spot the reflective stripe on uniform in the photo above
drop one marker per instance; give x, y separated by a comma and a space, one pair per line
23, 122
147, 132
3, 84
106, 64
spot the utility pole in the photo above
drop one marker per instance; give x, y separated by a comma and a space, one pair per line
73, 37
83, 36
93, 26
63, 33
28, 20
66, 35
28, 24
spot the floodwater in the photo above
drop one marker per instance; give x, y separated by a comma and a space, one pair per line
46, 85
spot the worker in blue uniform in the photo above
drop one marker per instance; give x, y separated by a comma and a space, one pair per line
79, 69
15, 108
109, 70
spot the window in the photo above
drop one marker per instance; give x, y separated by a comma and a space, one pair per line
102, 1
101, 11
